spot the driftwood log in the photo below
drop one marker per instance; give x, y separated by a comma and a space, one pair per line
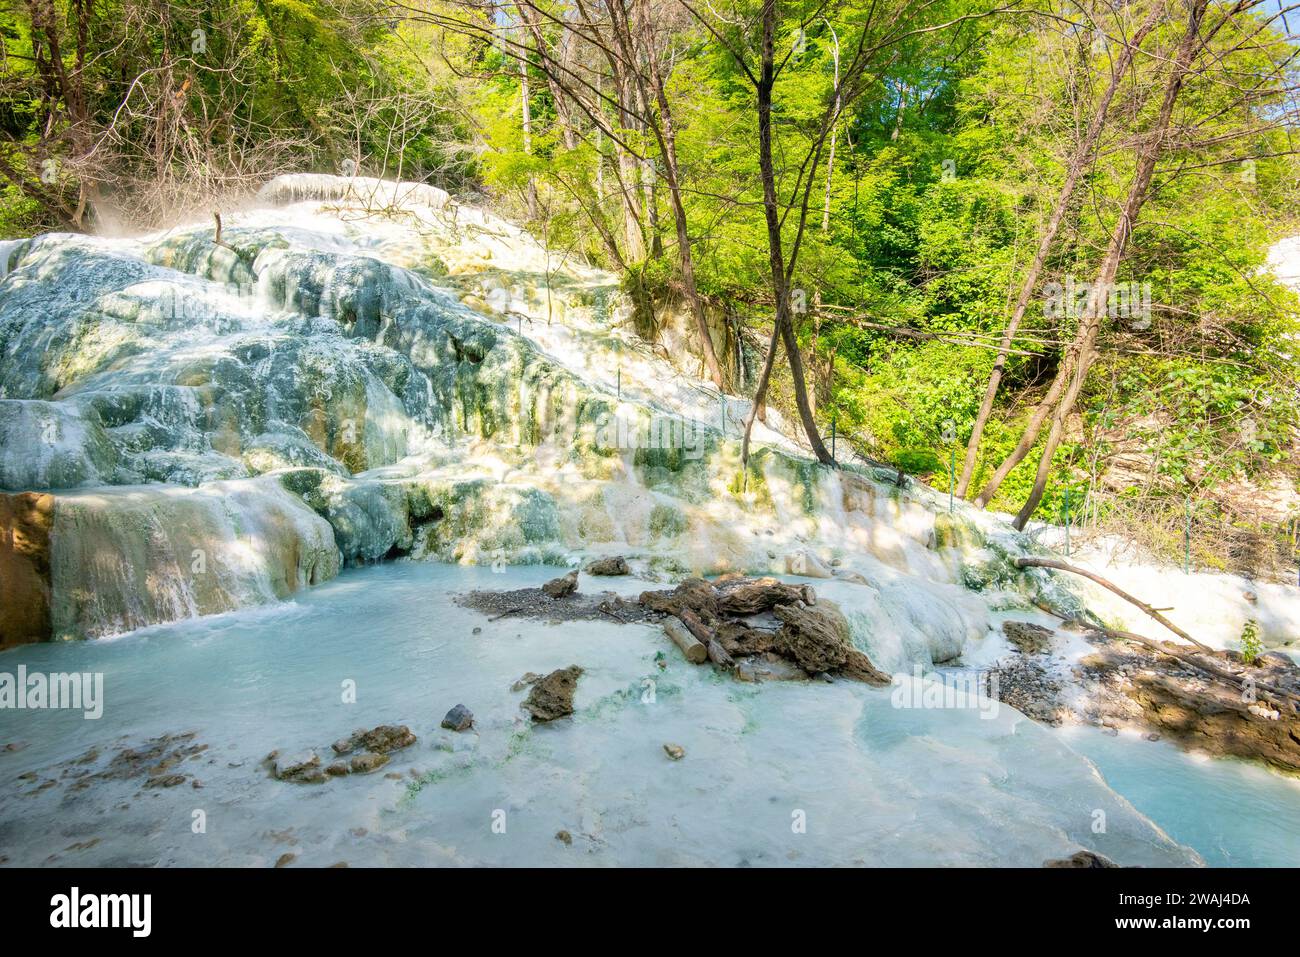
1111, 586
695, 626
696, 653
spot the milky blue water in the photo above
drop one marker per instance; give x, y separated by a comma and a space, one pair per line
774, 774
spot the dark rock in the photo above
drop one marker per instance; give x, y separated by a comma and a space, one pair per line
1082, 859
1031, 639
459, 718
552, 697
609, 566
562, 587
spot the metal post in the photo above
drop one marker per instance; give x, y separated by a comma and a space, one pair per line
833, 417
1187, 540
952, 476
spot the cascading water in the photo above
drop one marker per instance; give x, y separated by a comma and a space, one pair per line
362, 371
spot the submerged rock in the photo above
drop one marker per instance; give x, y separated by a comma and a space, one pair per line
301, 768
370, 761
552, 697
459, 718
675, 751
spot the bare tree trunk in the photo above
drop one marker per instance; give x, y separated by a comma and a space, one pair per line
1083, 154
780, 287
531, 192
666, 136
1083, 349
759, 410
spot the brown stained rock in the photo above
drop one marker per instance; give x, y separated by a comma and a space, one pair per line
1082, 859
1031, 639
1133, 684
693, 594
609, 566
298, 768
754, 596
370, 761
25, 521
552, 697
562, 587
739, 639
384, 739
859, 667
1215, 718
816, 639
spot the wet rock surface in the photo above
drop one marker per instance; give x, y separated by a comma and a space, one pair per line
616, 565
459, 718
1128, 684
563, 586
369, 750
551, 697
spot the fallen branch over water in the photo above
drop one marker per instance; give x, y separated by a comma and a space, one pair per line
1111, 586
